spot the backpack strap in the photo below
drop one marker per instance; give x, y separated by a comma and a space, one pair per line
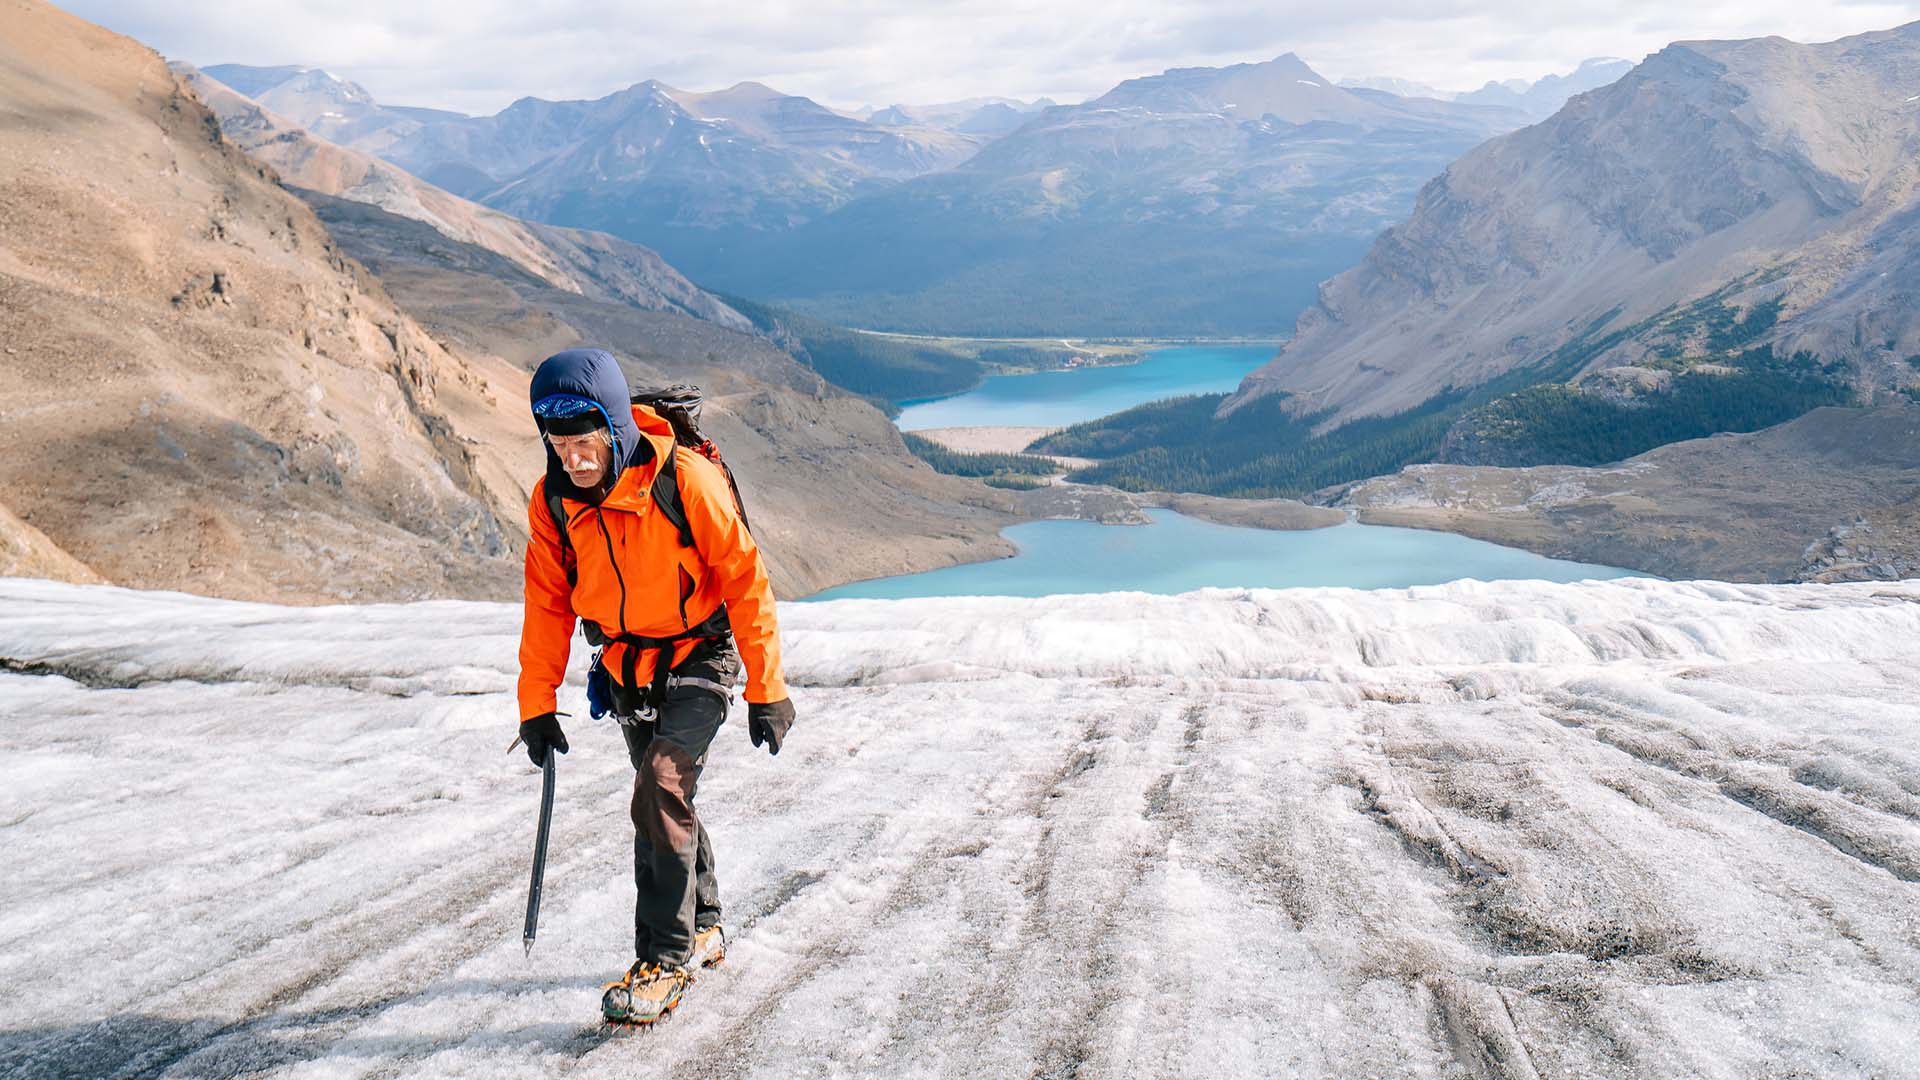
737, 503
666, 494
557, 510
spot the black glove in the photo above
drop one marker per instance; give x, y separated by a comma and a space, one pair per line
769, 723
541, 732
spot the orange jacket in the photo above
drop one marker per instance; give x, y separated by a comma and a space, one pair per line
634, 577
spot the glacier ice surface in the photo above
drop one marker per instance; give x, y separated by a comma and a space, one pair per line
1625, 828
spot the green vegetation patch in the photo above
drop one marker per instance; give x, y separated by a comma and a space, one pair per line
882, 367
1166, 423
1015, 483
958, 463
1051, 357
1561, 424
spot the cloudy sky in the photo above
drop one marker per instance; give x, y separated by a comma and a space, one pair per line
478, 55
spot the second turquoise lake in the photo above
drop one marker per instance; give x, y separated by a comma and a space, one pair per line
1060, 398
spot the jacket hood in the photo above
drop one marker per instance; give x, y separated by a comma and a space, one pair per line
594, 376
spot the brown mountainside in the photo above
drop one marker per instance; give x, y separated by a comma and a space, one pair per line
1716, 179
199, 390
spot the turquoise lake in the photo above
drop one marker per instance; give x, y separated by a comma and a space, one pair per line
1059, 398
1177, 554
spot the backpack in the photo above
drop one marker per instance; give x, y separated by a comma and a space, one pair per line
679, 405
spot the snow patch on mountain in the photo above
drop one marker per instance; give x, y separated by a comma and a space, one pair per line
1516, 828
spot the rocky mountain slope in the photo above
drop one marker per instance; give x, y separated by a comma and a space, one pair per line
199, 390
1198, 200
1761, 192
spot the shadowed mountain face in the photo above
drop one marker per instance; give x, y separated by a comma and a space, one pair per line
1760, 192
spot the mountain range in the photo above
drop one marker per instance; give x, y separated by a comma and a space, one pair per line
1205, 200
1244, 184
1543, 97
1538, 98
987, 116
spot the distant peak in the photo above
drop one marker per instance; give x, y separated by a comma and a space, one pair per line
758, 89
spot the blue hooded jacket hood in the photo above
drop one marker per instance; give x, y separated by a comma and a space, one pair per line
592, 375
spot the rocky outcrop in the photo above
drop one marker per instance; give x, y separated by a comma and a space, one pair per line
1831, 496
27, 552
1756, 172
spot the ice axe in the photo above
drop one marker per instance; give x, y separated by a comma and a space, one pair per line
539, 850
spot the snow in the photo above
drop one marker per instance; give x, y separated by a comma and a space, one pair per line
1627, 828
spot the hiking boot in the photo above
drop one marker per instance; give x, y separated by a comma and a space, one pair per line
709, 947
647, 993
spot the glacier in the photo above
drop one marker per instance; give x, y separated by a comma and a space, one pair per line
1631, 828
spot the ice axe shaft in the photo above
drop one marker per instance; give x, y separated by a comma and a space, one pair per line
539, 851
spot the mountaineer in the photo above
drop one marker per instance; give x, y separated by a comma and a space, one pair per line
637, 531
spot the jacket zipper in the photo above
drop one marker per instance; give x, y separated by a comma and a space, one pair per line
686, 590
601, 517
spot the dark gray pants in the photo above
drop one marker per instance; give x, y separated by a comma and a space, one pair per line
673, 869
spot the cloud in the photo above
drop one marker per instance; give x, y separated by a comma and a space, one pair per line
479, 55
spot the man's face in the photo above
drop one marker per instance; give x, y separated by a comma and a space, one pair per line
585, 457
